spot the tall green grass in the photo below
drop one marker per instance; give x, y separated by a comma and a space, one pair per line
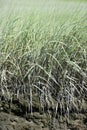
44, 53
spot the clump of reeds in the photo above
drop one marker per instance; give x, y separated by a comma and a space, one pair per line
44, 59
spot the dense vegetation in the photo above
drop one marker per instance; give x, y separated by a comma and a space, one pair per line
44, 53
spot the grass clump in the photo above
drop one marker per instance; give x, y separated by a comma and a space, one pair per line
46, 58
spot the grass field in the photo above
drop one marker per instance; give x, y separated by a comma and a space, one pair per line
43, 50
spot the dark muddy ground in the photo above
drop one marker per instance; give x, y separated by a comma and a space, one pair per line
16, 117
40, 122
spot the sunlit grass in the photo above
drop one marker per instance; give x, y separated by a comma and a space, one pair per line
44, 52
